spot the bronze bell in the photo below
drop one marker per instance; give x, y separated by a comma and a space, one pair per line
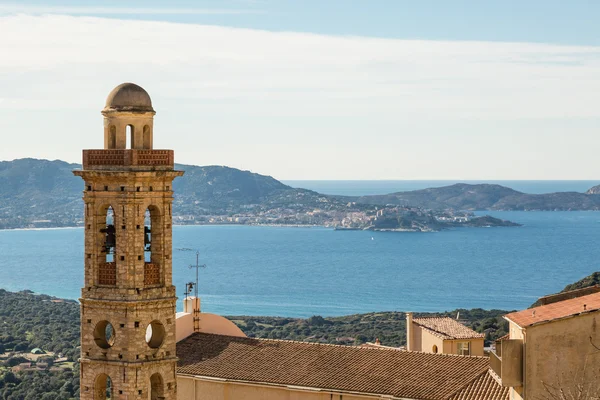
147, 238
110, 241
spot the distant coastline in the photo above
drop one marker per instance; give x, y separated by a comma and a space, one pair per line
336, 228
56, 228
45, 194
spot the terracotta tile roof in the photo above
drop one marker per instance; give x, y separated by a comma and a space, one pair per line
486, 387
558, 310
447, 328
331, 367
507, 336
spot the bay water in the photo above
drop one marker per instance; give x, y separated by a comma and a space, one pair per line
299, 272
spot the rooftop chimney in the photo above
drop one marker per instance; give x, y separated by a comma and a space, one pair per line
409, 332
191, 304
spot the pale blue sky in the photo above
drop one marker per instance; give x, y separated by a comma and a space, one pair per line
544, 21
316, 89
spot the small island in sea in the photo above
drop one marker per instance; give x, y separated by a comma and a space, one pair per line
405, 219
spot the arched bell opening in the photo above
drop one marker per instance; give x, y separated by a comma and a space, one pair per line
152, 235
103, 387
148, 236
157, 387
107, 244
152, 247
130, 137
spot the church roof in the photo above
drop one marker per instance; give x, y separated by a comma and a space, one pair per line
331, 367
447, 328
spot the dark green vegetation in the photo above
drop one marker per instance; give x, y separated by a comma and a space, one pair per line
591, 280
388, 327
487, 220
463, 196
430, 221
28, 321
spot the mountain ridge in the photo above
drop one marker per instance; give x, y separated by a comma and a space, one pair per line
44, 193
480, 197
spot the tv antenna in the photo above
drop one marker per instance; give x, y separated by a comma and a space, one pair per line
197, 266
191, 285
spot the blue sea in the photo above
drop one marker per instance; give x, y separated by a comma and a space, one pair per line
299, 272
316, 271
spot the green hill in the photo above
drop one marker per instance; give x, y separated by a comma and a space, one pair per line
221, 190
223, 184
462, 196
34, 189
591, 280
43, 193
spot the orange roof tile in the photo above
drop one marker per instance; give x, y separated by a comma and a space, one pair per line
486, 387
447, 328
330, 367
507, 336
558, 310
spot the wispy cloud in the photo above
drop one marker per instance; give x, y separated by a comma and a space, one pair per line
339, 74
92, 10
262, 100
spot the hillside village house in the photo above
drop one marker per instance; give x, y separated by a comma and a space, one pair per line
553, 348
135, 346
442, 335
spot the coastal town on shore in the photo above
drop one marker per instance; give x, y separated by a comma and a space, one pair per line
390, 218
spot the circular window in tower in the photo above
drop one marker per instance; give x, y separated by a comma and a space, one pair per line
155, 334
104, 334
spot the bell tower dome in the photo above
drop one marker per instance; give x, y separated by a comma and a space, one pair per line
128, 299
128, 108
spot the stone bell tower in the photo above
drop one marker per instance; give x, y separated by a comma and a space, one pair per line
128, 302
